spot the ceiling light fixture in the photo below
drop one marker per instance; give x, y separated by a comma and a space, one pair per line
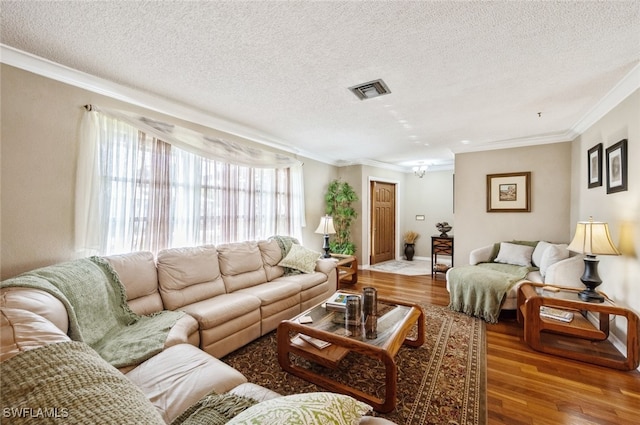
370, 90
420, 170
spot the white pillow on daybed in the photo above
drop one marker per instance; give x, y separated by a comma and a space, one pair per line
518, 255
551, 255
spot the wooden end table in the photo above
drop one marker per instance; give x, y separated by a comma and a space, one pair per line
393, 328
567, 339
347, 269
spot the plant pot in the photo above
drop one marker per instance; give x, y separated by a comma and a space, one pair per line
409, 250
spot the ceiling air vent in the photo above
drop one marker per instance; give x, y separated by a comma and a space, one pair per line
371, 89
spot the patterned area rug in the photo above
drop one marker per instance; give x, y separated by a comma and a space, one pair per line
408, 268
442, 382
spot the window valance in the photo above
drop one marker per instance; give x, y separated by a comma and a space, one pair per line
217, 148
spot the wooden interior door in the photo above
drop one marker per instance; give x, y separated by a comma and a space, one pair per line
383, 222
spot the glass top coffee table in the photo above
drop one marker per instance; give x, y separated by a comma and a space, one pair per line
396, 319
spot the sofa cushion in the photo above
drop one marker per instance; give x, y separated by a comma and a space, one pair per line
241, 265
180, 376
137, 272
518, 255
222, 309
319, 407
270, 292
271, 256
300, 258
188, 275
305, 281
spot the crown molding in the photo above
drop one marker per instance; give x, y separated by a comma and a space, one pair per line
541, 139
625, 87
55, 71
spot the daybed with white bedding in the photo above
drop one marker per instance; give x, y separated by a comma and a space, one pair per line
490, 282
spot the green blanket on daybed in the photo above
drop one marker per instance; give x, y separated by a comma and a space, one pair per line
480, 290
96, 304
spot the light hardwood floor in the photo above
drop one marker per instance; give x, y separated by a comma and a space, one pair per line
524, 386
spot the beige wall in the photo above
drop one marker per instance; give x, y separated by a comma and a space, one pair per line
432, 197
621, 210
39, 139
317, 176
550, 167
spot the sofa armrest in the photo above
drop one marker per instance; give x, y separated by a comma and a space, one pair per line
480, 255
325, 265
566, 272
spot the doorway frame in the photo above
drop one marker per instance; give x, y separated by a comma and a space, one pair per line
398, 184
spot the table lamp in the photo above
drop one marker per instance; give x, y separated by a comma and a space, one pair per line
591, 239
326, 228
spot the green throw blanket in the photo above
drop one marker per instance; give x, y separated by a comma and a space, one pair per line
96, 304
214, 409
480, 290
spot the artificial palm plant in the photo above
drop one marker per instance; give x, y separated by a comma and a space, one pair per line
339, 200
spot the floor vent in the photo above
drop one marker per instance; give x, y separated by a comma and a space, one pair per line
370, 90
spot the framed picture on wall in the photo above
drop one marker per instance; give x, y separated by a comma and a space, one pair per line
510, 192
617, 167
594, 166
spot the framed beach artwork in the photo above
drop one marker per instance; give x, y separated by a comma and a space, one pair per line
617, 167
509, 192
594, 165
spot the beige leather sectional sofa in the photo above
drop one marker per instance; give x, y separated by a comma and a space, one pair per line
231, 293
234, 292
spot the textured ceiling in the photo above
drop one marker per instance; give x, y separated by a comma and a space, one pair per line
478, 72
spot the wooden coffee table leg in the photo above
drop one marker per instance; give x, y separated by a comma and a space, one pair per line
419, 339
390, 379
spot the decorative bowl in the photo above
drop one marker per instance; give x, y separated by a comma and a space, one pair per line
444, 230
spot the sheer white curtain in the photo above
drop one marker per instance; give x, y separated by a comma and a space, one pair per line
137, 192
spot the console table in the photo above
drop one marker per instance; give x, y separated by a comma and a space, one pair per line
442, 245
579, 339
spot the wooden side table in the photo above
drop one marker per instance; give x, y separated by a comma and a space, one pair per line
443, 246
347, 269
579, 339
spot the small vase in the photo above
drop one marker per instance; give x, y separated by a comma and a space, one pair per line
409, 250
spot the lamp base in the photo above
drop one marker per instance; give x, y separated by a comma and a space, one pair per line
325, 247
591, 296
591, 280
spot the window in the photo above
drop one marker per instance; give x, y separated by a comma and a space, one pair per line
150, 195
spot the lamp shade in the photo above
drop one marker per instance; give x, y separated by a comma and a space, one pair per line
592, 238
326, 226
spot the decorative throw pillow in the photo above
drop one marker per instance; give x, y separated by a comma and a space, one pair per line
309, 408
538, 252
519, 255
496, 248
300, 258
552, 255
